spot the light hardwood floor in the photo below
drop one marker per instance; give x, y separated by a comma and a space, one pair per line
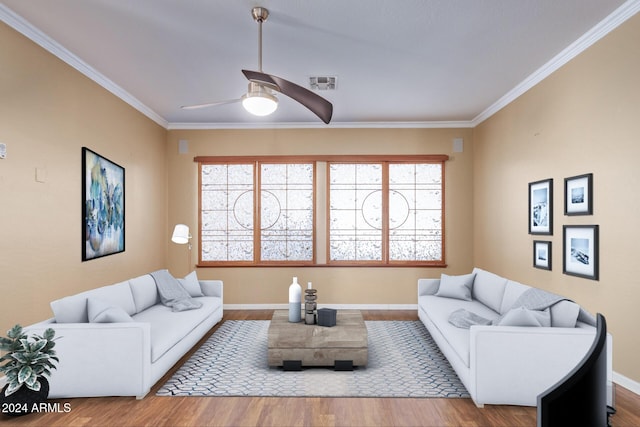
283, 412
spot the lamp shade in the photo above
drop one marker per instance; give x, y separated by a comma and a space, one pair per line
181, 234
259, 101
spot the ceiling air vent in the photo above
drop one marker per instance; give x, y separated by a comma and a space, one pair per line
323, 82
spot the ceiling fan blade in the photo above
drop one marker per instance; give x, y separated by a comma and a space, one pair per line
261, 78
209, 104
317, 104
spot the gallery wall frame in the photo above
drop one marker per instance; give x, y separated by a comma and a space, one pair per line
541, 207
578, 195
542, 254
103, 206
581, 251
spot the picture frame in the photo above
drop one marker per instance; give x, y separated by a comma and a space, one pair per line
541, 207
580, 251
103, 206
578, 195
542, 254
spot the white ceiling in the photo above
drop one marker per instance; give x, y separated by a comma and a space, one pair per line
404, 63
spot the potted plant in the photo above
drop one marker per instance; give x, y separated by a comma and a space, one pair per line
26, 363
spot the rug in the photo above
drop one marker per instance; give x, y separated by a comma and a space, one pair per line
404, 361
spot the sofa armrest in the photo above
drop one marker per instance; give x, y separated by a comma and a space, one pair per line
99, 359
428, 286
212, 288
512, 365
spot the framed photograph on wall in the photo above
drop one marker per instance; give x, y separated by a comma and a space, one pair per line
541, 207
578, 195
542, 254
580, 247
102, 206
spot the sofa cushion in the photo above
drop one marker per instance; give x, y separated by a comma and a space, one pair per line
521, 316
564, 314
458, 287
73, 309
488, 288
169, 327
144, 291
439, 310
99, 311
191, 284
512, 292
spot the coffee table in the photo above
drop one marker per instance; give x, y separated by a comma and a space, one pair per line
293, 345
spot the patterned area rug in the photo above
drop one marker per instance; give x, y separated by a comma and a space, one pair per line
404, 361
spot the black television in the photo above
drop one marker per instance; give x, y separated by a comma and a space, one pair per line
580, 398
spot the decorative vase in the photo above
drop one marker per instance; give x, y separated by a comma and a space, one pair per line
25, 400
295, 301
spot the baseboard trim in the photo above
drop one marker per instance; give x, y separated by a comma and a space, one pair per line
336, 306
625, 382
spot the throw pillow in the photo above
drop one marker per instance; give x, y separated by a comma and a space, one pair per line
191, 284
458, 287
521, 316
564, 314
101, 312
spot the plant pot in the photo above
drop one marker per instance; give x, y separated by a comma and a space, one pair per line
25, 400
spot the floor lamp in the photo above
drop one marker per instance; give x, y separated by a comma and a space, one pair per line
182, 236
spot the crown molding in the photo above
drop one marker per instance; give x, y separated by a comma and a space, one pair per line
332, 125
25, 28
604, 27
615, 19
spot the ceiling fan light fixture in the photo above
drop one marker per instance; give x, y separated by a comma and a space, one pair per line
259, 101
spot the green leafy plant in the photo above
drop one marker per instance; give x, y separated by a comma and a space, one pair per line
27, 358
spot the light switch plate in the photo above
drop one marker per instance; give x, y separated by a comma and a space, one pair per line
3, 150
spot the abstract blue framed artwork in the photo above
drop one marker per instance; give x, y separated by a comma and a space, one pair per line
102, 206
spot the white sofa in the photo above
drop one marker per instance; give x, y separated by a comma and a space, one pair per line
501, 364
132, 339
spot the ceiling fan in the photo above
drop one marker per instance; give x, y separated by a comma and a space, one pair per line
259, 99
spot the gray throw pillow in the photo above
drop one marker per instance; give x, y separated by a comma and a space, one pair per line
521, 316
458, 287
101, 312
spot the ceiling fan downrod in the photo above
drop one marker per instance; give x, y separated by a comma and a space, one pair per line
260, 14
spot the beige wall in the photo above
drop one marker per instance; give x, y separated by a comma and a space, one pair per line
583, 118
357, 285
48, 111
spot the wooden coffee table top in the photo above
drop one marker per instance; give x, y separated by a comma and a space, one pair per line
350, 331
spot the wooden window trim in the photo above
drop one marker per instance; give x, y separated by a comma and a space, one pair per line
256, 160
386, 262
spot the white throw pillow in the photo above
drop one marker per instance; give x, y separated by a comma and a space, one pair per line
101, 312
191, 284
564, 314
521, 316
458, 287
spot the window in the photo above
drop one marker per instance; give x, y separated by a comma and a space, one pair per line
373, 210
231, 229
386, 212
